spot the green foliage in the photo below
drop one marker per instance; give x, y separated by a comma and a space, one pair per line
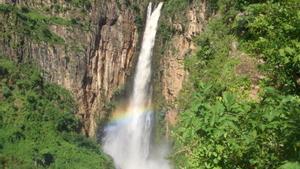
6, 8
173, 6
165, 32
38, 128
220, 126
172, 12
26, 22
290, 165
210, 63
210, 45
226, 133
86, 4
212, 6
67, 123
139, 22
272, 31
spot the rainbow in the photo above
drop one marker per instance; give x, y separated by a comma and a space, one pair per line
121, 117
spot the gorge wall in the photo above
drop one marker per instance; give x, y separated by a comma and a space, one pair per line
100, 44
185, 25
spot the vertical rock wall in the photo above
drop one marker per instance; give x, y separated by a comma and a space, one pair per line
187, 24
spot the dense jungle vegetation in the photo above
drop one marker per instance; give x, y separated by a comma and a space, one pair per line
241, 105
38, 128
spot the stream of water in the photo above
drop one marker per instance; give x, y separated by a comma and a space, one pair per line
128, 137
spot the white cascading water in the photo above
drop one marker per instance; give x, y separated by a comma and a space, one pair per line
128, 137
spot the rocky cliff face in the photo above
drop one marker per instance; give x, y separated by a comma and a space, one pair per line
99, 49
187, 25
173, 67
110, 61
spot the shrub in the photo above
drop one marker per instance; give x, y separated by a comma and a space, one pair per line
270, 30
172, 6
6, 91
67, 123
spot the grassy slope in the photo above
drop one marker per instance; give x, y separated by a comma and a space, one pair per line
38, 128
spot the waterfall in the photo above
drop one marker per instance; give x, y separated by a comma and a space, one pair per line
128, 137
